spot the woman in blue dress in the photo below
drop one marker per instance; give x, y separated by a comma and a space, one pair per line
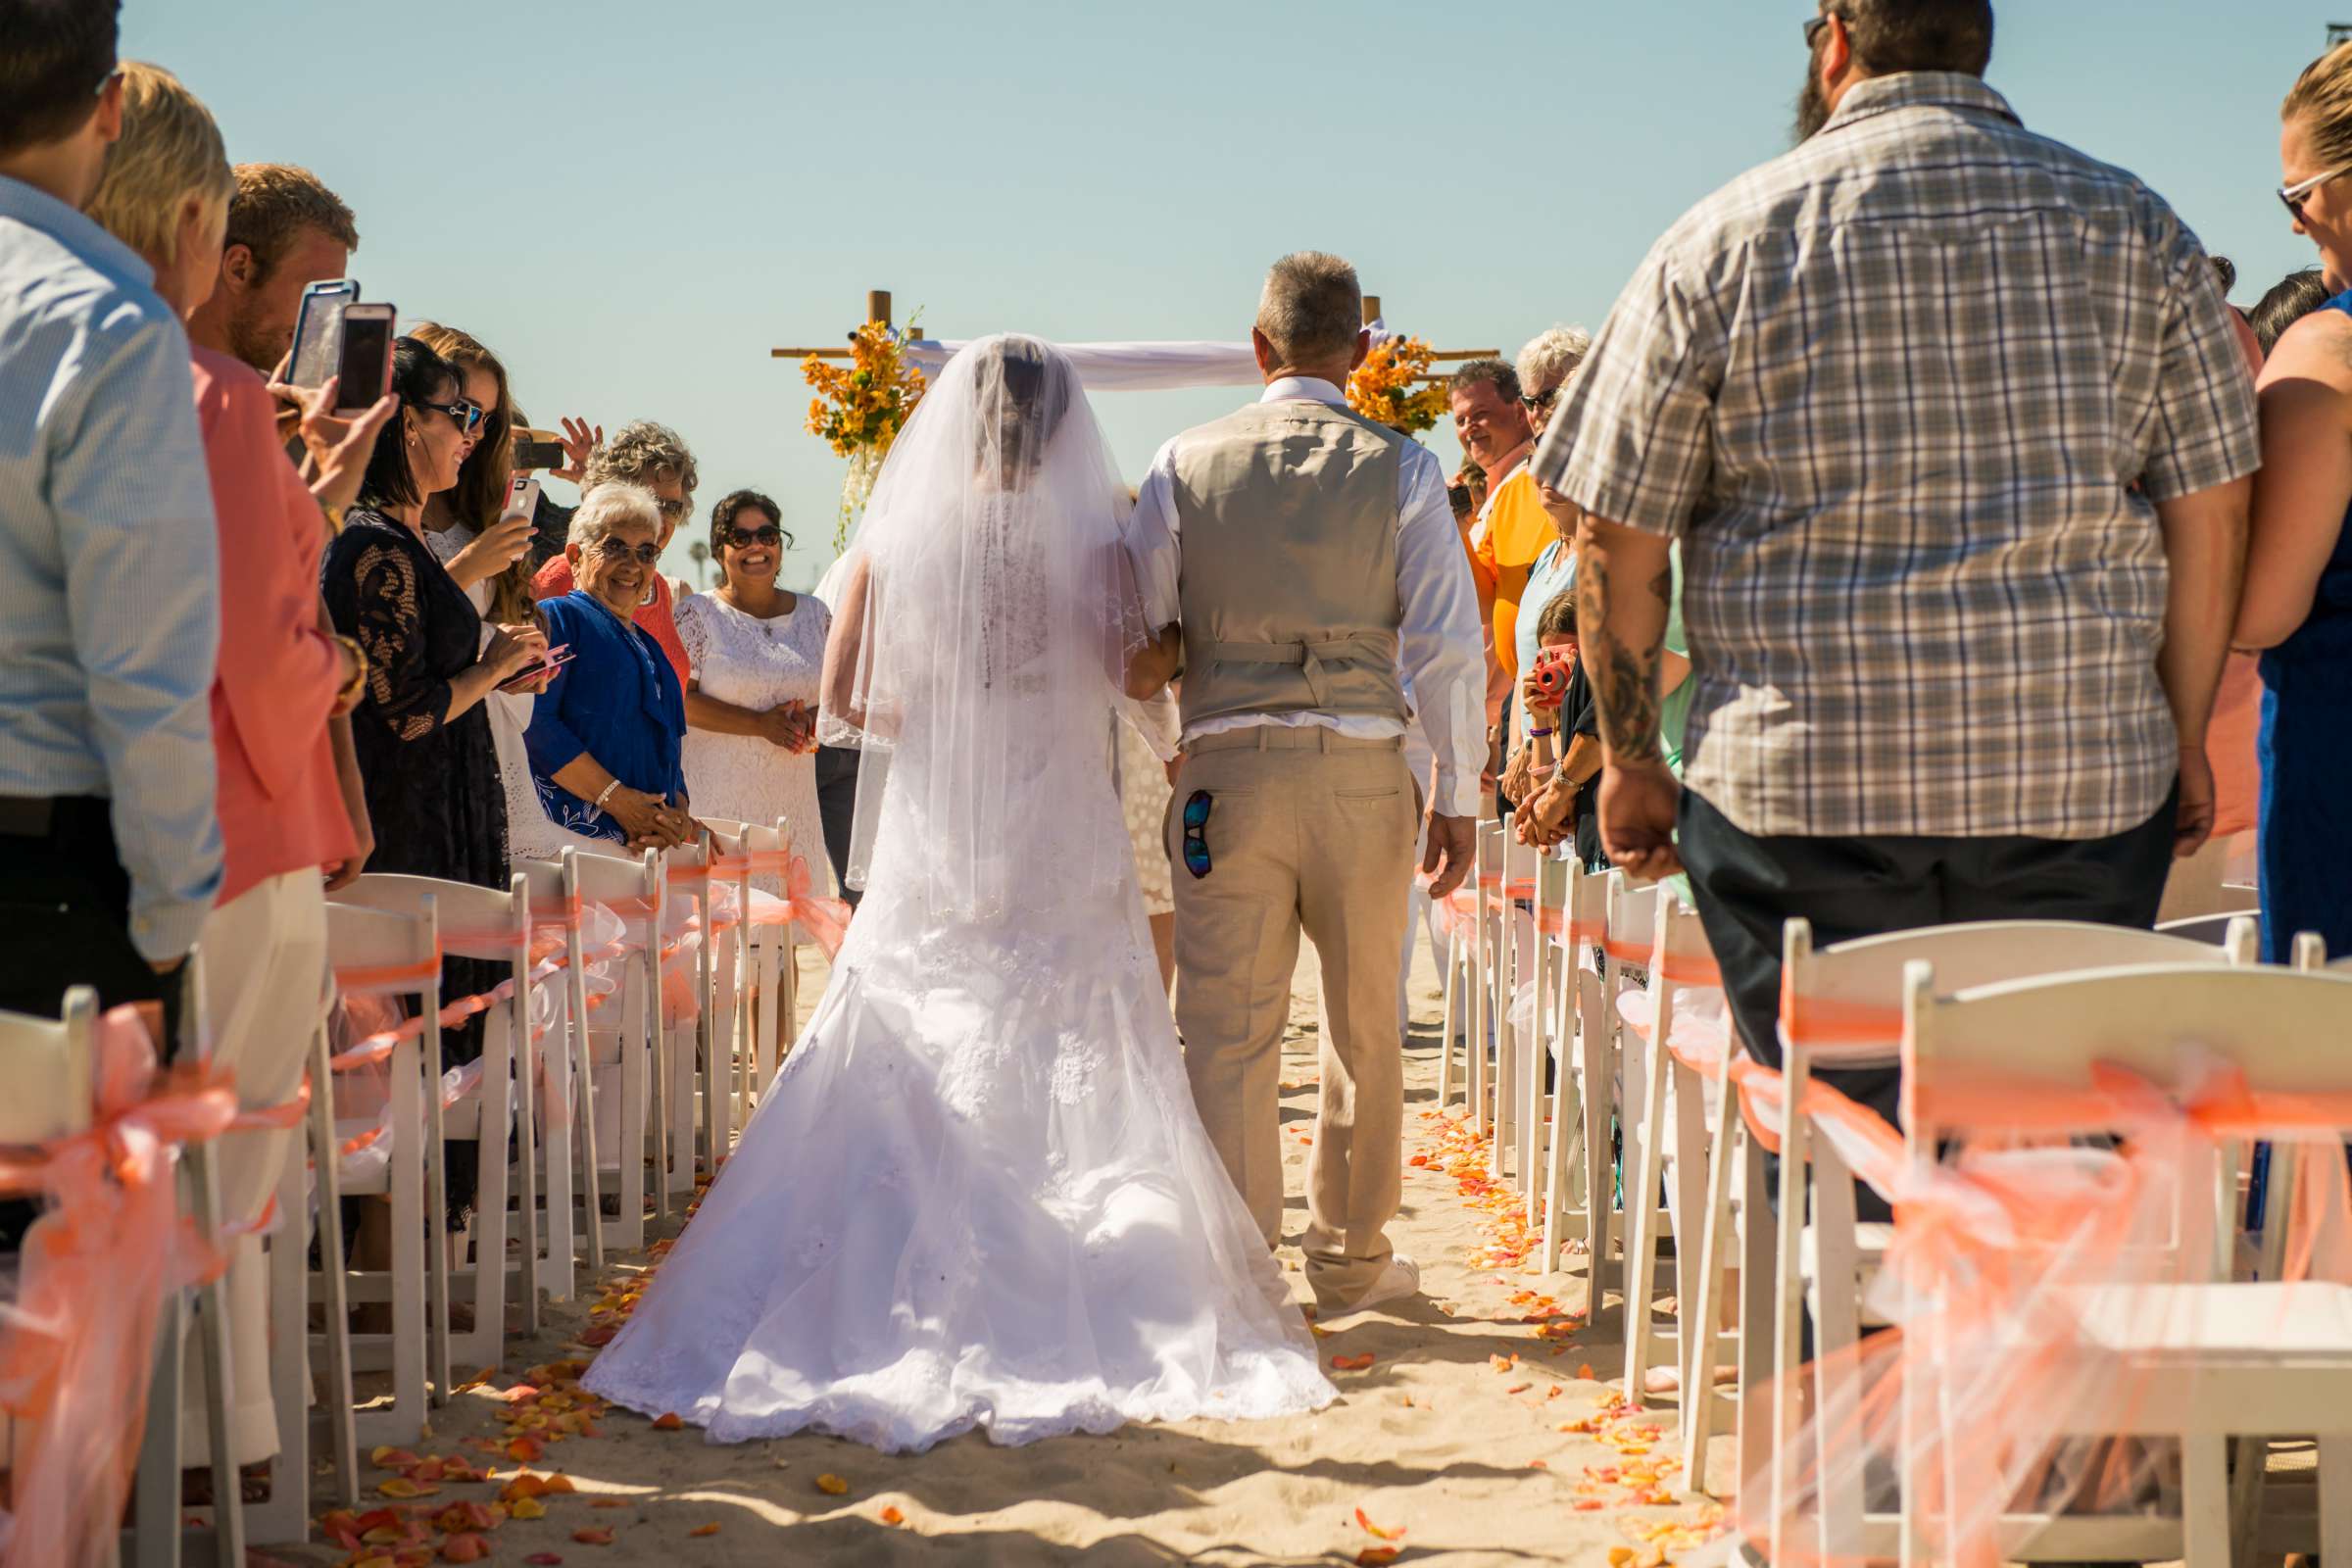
2297, 603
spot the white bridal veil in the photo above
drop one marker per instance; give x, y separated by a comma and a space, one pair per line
993, 611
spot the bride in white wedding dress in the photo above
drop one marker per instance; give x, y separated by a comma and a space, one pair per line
977, 1193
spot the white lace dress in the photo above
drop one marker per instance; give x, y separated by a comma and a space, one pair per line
759, 664
530, 835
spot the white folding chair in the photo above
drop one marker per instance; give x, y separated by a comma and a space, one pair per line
1572, 928
1519, 1065
2225, 1359
49, 1065
484, 923
1487, 1004
1681, 1049
1846, 999
568, 1183
622, 1034
687, 1090
397, 957
313, 1165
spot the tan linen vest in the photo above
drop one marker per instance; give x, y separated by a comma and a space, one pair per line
1287, 520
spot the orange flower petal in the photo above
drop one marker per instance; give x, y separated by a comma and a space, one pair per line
892, 1516
593, 1536
669, 1422
1382, 1532
703, 1529
832, 1485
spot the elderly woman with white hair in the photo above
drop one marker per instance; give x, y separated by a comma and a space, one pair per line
1545, 366
605, 736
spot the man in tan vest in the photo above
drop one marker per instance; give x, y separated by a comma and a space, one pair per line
1311, 559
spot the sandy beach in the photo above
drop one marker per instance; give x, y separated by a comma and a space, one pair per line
1447, 1447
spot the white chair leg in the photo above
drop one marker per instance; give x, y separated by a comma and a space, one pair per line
411, 1197
283, 1519
1453, 1021
2205, 1500
1640, 1211
1701, 1314
1600, 1070
327, 1161
555, 1102
436, 1219
482, 1344
581, 1107
527, 1075
155, 1509
1756, 1292
2335, 1496
219, 1366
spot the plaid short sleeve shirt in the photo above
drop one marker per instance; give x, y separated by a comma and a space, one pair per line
1907, 395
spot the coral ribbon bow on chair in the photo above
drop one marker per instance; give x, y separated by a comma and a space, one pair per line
77, 1345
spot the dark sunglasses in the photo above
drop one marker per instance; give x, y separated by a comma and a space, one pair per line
1814, 27
1539, 402
465, 415
1196, 833
614, 550
740, 538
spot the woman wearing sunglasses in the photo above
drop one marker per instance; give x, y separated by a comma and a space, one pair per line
605, 735
756, 649
421, 733
2296, 606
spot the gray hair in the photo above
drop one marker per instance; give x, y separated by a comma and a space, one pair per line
608, 505
1313, 308
1553, 356
638, 452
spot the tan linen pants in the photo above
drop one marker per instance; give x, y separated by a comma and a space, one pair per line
1308, 831
264, 979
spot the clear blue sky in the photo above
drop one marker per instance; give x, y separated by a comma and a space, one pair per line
633, 202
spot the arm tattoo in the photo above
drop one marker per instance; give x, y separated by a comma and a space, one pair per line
1625, 679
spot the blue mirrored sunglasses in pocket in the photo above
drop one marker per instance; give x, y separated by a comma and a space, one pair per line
1196, 832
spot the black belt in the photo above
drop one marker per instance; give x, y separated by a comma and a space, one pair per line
35, 816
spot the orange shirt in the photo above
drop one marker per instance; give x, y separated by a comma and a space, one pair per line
1517, 530
280, 806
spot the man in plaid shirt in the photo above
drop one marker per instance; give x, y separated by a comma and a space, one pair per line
1953, 428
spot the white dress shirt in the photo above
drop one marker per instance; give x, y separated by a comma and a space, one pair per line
1437, 631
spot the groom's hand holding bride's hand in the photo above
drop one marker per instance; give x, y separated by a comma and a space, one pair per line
1453, 841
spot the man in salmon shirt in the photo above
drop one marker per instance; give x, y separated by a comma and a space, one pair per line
283, 674
654, 456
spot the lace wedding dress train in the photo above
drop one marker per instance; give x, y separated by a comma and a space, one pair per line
977, 1195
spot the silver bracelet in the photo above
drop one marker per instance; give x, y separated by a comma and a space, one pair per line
605, 794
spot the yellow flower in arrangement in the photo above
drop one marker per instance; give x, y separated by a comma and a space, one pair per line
1382, 388
859, 409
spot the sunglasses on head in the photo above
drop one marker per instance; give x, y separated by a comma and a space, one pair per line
464, 414
614, 550
1196, 832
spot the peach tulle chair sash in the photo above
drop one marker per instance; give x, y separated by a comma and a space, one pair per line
826, 920
2000, 1254
77, 1343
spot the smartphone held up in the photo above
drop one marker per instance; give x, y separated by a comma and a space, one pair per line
335, 336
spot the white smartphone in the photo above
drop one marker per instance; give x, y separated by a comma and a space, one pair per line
522, 496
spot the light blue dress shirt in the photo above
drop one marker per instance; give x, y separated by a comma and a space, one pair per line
110, 572
1553, 574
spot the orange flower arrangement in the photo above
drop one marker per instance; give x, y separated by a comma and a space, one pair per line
1382, 387
860, 409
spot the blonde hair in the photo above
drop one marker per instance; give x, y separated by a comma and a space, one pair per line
170, 150
2322, 98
